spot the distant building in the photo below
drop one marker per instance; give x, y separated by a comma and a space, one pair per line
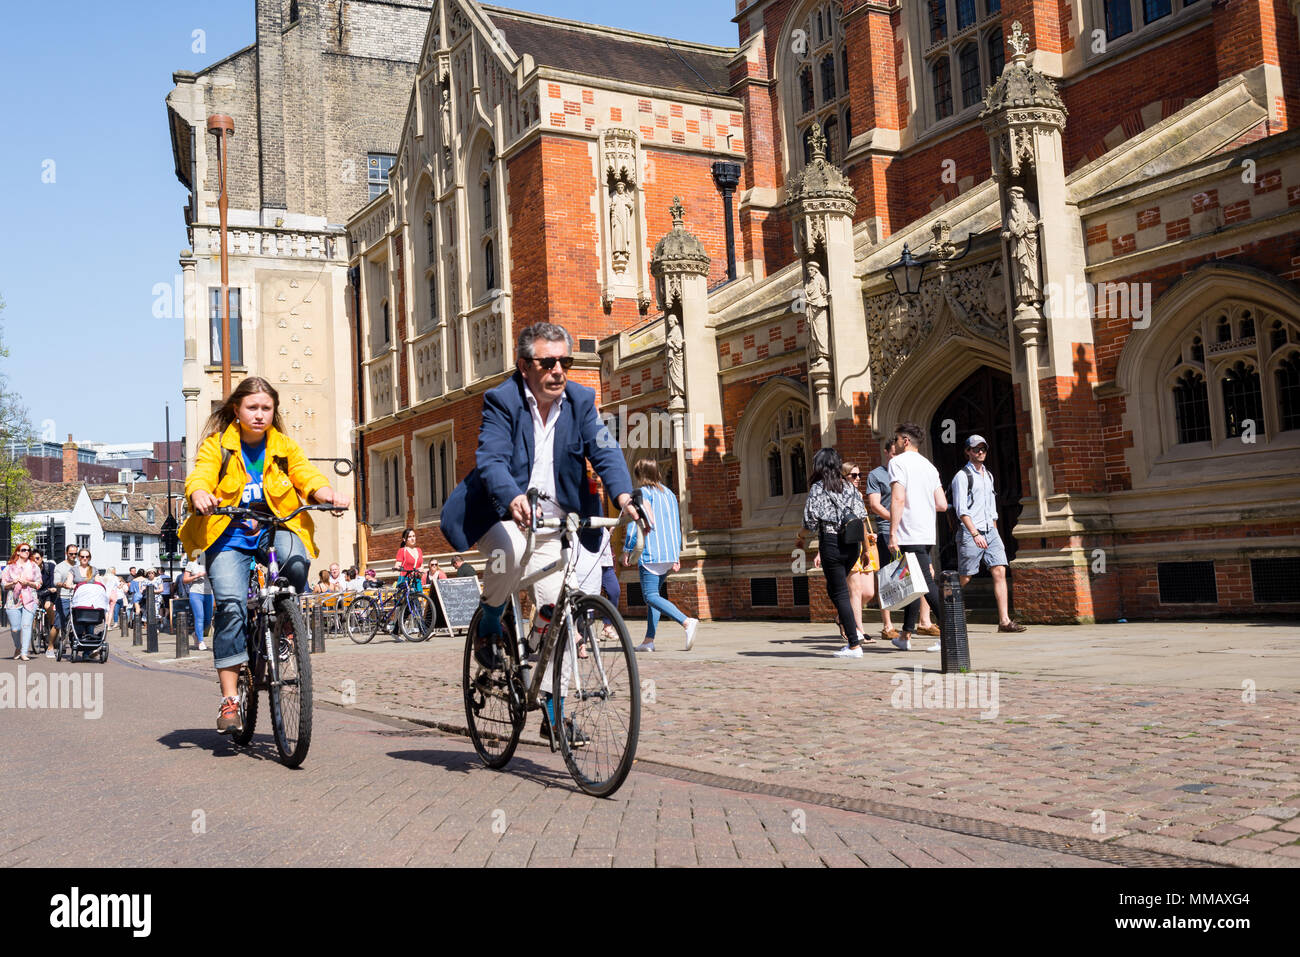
121, 528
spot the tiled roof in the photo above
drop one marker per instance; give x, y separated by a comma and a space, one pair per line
136, 520
54, 496
602, 52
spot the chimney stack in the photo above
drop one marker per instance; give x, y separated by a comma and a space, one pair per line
69, 460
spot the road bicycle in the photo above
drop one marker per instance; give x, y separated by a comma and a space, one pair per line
595, 692
279, 647
411, 611
40, 631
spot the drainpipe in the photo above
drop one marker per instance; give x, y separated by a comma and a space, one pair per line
726, 177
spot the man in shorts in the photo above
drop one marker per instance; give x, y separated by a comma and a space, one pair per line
978, 541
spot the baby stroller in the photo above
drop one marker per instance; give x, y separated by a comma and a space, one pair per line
87, 633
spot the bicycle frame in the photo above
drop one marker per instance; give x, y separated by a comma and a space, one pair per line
562, 615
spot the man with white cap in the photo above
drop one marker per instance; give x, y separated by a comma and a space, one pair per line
978, 540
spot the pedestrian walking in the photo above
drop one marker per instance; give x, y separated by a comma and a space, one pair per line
195, 577
409, 561
21, 580
64, 608
47, 595
916, 498
878, 495
660, 554
835, 511
978, 541
861, 578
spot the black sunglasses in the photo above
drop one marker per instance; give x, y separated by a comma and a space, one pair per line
566, 362
855, 475
980, 449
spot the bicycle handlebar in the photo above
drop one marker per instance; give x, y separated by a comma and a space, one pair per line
235, 511
595, 521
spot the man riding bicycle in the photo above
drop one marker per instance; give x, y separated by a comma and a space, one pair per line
538, 431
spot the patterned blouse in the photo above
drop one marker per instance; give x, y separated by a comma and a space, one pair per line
823, 506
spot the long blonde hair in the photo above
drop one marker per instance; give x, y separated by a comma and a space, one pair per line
220, 420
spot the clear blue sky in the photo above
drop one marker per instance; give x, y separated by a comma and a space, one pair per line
83, 84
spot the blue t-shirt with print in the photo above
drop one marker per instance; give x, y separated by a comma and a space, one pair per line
238, 534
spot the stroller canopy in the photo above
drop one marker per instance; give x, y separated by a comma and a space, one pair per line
91, 595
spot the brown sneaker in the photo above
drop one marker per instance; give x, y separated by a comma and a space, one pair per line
930, 630
1015, 627
228, 718
888, 634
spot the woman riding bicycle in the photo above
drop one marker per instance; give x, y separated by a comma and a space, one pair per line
245, 459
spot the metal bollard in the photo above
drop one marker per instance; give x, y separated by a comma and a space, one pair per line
317, 628
121, 621
954, 652
151, 622
181, 626
136, 640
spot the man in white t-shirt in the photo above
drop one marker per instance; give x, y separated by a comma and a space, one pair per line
916, 495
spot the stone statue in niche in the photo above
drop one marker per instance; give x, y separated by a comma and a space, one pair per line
1021, 231
444, 112
676, 349
621, 210
816, 305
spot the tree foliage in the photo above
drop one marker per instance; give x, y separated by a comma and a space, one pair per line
15, 431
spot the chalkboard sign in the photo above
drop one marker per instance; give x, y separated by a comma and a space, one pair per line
459, 600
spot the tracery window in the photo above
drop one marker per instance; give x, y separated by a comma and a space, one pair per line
784, 455
822, 71
963, 49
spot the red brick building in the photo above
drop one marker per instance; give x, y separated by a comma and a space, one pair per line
1112, 183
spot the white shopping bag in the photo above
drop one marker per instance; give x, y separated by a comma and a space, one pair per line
901, 582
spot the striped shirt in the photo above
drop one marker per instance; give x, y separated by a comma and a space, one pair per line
664, 543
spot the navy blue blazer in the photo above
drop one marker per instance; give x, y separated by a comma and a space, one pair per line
505, 461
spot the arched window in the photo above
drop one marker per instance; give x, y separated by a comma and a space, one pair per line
387, 333
963, 57
828, 77
775, 474
1243, 403
434, 499
817, 80
787, 472
941, 81
772, 444
428, 238
433, 296
1192, 408
969, 59
489, 265
832, 132
487, 202
1287, 385
443, 474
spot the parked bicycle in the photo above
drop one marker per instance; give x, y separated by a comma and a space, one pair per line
595, 690
402, 609
279, 647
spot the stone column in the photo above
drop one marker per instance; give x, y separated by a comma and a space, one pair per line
680, 268
192, 378
821, 208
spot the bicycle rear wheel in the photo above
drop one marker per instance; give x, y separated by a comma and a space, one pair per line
602, 700
494, 700
417, 617
40, 636
362, 615
247, 705
291, 698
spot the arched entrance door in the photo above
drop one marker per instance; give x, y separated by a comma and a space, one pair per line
985, 404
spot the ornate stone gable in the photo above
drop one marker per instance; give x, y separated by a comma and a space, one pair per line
973, 297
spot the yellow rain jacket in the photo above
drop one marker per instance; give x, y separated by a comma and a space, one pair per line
283, 488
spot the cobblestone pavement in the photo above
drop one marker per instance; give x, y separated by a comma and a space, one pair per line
151, 783
1208, 770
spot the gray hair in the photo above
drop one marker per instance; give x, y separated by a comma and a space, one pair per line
548, 331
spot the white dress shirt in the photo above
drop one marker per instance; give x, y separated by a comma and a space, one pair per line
542, 476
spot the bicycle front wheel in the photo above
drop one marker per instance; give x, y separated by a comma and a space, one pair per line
417, 617
291, 695
600, 697
494, 705
362, 615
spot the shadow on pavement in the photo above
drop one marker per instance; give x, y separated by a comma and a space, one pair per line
262, 747
467, 762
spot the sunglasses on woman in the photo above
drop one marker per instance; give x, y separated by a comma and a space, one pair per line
855, 475
21, 550
566, 362
84, 555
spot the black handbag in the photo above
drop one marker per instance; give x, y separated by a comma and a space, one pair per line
852, 532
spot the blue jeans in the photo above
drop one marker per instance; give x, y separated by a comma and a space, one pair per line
228, 571
20, 623
655, 603
201, 606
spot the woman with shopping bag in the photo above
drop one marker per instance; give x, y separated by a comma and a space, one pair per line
836, 512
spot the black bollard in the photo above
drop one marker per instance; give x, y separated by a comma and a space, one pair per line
137, 640
954, 651
121, 621
181, 626
151, 621
317, 628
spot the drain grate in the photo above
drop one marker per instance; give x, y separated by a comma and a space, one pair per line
1091, 850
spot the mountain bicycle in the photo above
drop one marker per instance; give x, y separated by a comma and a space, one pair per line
595, 691
279, 646
411, 610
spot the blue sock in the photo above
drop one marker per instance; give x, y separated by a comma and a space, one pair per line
550, 709
490, 622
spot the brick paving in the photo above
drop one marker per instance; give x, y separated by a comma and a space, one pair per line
150, 783
1197, 771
